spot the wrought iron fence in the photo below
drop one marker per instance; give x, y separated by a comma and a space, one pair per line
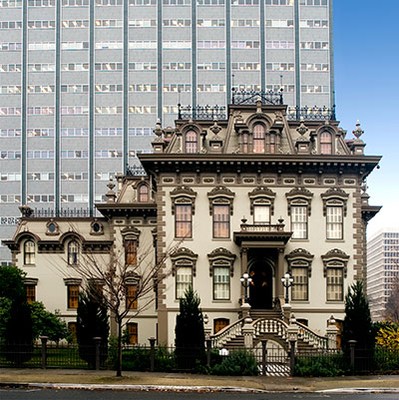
63, 213
270, 361
135, 170
269, 97
206, 113
311, 113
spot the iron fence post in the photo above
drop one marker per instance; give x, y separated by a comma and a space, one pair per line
292, 356
208, 352
352, 344
264, 357
152, 353
97, 341
44, 351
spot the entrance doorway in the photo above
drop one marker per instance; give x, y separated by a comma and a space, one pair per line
261, 288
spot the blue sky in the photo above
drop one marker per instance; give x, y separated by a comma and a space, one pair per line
366, 58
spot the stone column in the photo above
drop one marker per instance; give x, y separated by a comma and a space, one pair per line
244, 260
248, 332
332, 332
279, 274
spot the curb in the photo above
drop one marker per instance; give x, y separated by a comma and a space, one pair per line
200, 389
359, 390
146, 388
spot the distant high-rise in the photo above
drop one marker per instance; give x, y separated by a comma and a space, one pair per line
382, 269
82, 82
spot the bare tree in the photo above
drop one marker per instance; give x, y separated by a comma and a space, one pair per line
114, 275
392, 305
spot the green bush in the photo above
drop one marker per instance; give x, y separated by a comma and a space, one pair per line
139, 358
237, 363
328, 365
386, 361
164, 360
136, 359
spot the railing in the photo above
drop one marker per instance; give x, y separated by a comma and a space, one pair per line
252, 96
311, 113
67, 212
135, 170
271, 326
202, 112
227, 333
312, 338
262, 228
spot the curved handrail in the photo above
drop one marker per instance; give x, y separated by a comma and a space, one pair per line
308, 336
219, 339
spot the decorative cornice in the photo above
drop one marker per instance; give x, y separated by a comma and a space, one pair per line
31, 281
221, 257
335, 258
130, 233
183, 257
262, 195
300, 258
299, 193
220, 195
72, 281
183, 194
334, 196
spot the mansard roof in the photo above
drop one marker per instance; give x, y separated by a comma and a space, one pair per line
225, 142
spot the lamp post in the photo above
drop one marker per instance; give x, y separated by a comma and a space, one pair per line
245, 282
287, 282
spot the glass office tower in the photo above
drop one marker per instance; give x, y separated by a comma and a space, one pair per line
83, 82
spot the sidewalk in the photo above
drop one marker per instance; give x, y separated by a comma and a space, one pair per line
190, 382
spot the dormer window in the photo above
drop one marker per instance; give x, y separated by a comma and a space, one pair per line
326, 143
29, 252
143, 193
272, 143
259, 138
191, 141
73, 251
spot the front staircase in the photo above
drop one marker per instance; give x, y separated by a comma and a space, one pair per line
269, 337
269, 325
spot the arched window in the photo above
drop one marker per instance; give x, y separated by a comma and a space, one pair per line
73, 251
191, 142
29, 252
259, 138
143, 193
325, 143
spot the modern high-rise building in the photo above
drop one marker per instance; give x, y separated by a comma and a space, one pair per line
83, 82
382, 269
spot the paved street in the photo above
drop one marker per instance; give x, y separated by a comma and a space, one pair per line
53, 394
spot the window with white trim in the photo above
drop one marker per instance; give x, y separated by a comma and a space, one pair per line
300, 268
29, 252
191, 141
300, 287
261, 214
221, 283
221, 221
299, 221
335, 222
184, 279
335, 284
73, 252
